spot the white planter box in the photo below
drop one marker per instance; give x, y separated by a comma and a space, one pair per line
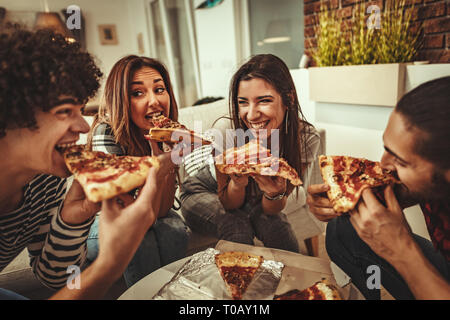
375, 84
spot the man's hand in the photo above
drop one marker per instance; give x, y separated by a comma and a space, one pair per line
77, 209
122, 227
384, 229
319, 204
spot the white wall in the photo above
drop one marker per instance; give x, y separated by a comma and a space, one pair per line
349, 129
127, 15
357, 130
215, 32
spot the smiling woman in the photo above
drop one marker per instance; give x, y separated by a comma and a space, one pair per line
238, 208
260, 106
149, 97
126, 99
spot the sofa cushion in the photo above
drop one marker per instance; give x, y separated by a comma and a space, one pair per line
202, 117
197, 159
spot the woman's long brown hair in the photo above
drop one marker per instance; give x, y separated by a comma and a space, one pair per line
274, 71
115, 106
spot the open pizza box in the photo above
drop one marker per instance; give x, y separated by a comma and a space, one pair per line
299, 271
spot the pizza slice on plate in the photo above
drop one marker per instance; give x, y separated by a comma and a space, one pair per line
321, 290
237, 270
255, 158
166, 130
348, 177
103, 176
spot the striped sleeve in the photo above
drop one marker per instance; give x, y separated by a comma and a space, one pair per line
103, 140
56, 245
197, 159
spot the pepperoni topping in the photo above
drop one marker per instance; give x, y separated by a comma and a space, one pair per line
338, 164
164, 122
238, 277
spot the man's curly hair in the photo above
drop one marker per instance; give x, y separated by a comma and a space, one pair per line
36, 69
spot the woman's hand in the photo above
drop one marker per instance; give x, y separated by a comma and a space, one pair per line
156, 151
271, 186
239, 181
178, 150
77, 209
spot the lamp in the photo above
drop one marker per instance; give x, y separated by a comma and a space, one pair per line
53, 21
277, 31
50, 20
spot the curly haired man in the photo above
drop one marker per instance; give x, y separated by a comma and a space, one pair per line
44, 85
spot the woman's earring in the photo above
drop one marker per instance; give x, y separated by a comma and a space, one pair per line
287, 120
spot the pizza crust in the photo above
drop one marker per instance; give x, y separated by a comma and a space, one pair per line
241, 259
328, 290
321, 290
101, 176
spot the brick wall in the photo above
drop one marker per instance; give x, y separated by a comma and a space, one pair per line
433, 16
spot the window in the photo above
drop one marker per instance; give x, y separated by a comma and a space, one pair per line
277, 27
173, 39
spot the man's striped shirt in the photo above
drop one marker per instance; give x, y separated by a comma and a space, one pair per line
36, 225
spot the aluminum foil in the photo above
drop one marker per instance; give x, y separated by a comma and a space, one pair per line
199, 279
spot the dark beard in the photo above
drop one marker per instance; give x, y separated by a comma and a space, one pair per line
438, 189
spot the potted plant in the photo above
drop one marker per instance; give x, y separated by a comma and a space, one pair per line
364, 63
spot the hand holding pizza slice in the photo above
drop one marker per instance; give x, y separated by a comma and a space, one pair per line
347, 177
166, 130
104, 176
253, 158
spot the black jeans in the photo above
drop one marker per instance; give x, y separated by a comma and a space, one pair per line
346, 249
204, 213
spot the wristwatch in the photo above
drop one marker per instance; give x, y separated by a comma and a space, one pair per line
276, 197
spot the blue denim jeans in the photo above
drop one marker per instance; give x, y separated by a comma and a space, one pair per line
165, 242
10, 295
346, 249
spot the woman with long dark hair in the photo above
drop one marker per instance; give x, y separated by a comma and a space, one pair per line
264, 105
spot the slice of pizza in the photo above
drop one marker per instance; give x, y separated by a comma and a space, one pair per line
321, 290
237, 270
103, 176
253, 158
348, 177
166, 130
